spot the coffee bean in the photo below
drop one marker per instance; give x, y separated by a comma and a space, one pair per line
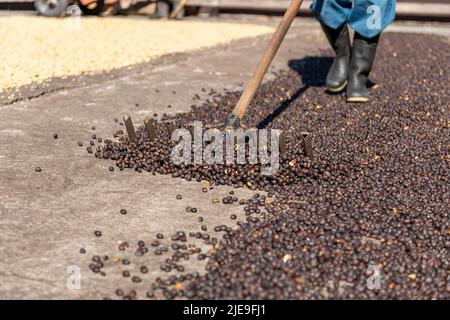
132, 293
154, 243
119, 292
166, 268
179, 268
144, 269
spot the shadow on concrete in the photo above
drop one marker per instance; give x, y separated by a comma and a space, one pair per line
313, 72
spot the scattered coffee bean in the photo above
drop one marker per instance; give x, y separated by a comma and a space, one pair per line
144, 269
154, 243
119, 292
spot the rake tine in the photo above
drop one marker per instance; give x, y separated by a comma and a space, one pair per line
283, 147
307, 144
149, 124
130, 128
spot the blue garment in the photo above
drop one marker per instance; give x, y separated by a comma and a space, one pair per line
367, 17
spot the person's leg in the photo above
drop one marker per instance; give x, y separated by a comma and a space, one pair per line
368, 18
333, 15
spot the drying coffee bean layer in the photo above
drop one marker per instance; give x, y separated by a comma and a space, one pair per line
373, 201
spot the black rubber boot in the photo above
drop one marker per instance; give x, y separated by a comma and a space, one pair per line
339, 40
363, 54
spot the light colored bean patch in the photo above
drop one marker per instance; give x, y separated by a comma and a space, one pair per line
33, 49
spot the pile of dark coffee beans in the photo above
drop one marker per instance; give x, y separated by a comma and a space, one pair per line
366, 218
97, 264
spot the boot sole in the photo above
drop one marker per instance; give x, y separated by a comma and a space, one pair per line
357, 99
338, 89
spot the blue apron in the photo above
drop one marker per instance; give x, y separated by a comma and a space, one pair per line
367, 17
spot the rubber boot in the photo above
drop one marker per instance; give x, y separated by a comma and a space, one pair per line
339, 40
363, 55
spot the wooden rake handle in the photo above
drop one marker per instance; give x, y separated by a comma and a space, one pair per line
266, 59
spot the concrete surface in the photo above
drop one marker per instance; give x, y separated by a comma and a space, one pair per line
46, 217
